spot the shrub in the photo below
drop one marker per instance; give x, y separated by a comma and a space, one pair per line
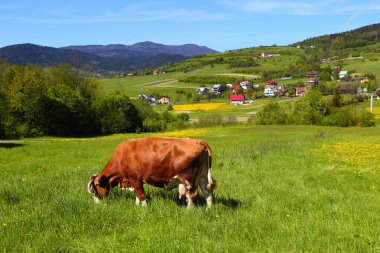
210, 120
342, 117
366, 119
271, 114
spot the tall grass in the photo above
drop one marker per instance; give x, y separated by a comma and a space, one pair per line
277, 191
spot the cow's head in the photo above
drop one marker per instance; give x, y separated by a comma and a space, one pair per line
98, 186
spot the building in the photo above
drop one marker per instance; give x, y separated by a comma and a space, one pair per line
202, 90
245, 85
312, 81
164, 100
237, 99
217, 88
300, 91
343, 75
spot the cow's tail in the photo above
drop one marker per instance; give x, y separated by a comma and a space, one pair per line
211, 183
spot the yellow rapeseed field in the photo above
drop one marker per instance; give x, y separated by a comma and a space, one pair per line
184, 133
363, 153
375, 111
202, 106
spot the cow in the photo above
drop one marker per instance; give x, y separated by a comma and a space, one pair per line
164, 162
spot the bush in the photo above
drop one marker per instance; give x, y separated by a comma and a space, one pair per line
271, 114
210, 120
366, 119
342, 117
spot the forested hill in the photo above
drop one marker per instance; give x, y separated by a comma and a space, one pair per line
102, 59
360, 37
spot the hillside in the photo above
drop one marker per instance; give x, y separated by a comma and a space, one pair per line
360, 37
101, 59
143, 48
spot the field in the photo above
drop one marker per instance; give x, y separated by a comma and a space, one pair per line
279, 189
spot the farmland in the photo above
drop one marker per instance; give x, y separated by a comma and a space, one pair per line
279, 188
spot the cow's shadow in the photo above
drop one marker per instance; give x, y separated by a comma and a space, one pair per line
10, 145
153, 194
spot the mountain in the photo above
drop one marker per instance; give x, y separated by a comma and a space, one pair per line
360, 37
145, 48
98, 58
46, 56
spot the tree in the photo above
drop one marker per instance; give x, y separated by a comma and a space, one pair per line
337, 100
189, 95
118, 115
310, 109
271, 114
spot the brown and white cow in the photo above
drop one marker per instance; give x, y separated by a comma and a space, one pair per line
159, 161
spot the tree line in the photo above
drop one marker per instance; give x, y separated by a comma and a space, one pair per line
314, 109
59, 101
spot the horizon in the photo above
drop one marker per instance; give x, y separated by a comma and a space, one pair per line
220, 25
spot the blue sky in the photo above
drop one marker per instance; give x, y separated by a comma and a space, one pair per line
218, 24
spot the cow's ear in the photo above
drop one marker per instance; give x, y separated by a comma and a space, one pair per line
103, 181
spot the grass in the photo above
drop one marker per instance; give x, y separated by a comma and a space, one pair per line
280, 188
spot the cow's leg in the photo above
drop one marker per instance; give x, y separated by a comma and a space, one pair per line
207, 194
191, 193
139, 190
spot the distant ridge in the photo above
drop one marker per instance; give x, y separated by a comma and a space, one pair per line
360, 37
98, 58
147, 47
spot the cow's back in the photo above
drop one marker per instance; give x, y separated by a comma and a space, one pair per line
157, 157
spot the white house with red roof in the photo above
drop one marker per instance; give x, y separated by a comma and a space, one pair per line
237, 99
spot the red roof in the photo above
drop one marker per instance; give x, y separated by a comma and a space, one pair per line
235, 87
272, 82
236, 97
313, 79
301, 89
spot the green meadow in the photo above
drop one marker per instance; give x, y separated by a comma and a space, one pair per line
279, 189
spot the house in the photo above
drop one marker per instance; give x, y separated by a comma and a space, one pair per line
271, 82
202, 90
345, 88
300, 91
365, 80
378, 94
312, 73
312, 81
164, 100
280, 90
269, 91
149, 99
245, 85
362, 90
343, 75
357, 79
265, 55
256, 87
336, 69
234, 88
237, 99
217, 88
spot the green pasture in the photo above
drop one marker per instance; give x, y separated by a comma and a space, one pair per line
279, 189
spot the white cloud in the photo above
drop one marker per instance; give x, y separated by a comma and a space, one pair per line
303, 8
135, 15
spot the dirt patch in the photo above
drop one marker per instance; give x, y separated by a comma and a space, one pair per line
161, 83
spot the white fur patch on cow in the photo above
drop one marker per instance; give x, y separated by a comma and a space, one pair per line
188, 185
181, 191
143, 203
97, 200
